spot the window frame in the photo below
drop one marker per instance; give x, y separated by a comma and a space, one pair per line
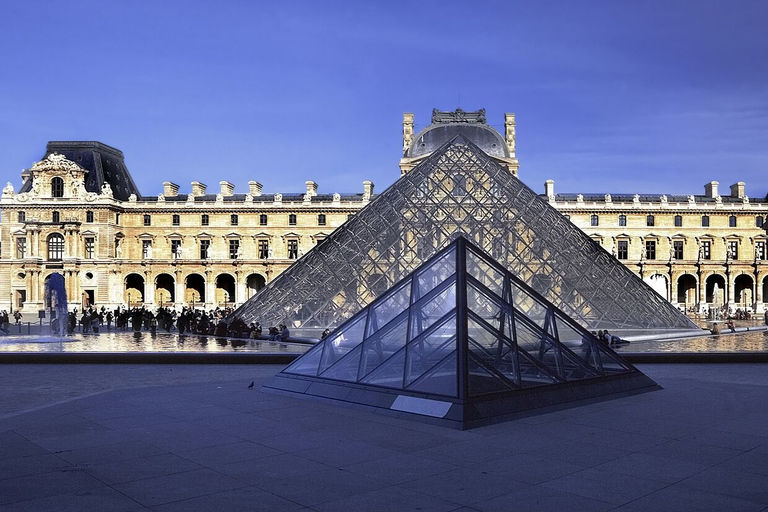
292, 219
21, 247
263, 219
176, 220
321, 219
594, 220
622, 249
678, 244
650, 249
622, 220
293, 248
55, 216
57, 249
262, 248
57, 186
89, 216
650, 220
732, 221
205, 249
147, 219
205, 219
705, 221
678, 221
89, 247
234, 248
234, 220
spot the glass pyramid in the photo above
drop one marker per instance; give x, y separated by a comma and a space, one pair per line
460, 191
462, 329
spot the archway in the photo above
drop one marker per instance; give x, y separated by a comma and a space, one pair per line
719, 299
225, 290
165, 286
55, 290
659, 284
686, 290
194, 289
254, 283
742, 288
134, 290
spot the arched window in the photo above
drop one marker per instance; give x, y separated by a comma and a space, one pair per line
705, 221
57, 187
622, 220
594, 220
758, 221
459, 185
732, 221
55, 247
678, 221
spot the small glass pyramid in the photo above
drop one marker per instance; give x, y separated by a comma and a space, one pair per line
462, 329
460, 191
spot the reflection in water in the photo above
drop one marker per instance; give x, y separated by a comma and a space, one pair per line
143, 342
755, 341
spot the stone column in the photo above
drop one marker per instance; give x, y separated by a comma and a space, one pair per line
149, 289
702, 291
210, 289
240, 291
673, 289
178, 287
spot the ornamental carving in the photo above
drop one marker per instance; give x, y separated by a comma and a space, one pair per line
56, 162
8, 190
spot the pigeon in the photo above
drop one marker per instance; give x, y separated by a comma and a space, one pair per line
251, 384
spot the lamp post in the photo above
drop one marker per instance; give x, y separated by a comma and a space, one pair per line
129, 301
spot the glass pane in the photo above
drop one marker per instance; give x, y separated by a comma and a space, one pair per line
342, 341
484, 306
610, 362
529, 305
390, 306
538, 345
531, 374
482, 381
381, 346
425, 352
438, 272
429, 311
308, 363
440, 380
389, 374
346, 368
485, 273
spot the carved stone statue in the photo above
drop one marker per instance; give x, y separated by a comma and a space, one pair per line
118, 249
160, 198
178, 252
248, 198
8, 190
278, 198
219, 198
608, 198
270, 253
308, 197
664, 198
636, 199
336, 197
132, 198
106, 190
701, 253
77, 188
580, 198
35, 187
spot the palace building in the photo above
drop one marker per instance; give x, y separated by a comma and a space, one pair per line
79, 213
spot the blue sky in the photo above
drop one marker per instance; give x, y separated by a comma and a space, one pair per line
610, 96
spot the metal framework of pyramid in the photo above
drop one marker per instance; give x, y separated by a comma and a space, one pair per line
460, 191
463, 342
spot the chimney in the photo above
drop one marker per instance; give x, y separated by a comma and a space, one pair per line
737, 190
198, 189
367, 189
407, 130
549, 188
170, 189
710, 189
227, 188
509, 133
254, 188
311, 188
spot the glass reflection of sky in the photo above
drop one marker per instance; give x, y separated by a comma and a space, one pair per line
144, 342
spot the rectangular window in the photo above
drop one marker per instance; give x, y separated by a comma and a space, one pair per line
321, 219
705, 221
147, 220
205, 245
732, 221
733, 249
146, 249
176, 249
706, 250
22, 216
759, 250
176, 220
292, 220
263, 249
678, 221
204, 220
234, 248
89, 216
650, 249
758, 222
21, 247
117, 218
594, 220
90, 246
233, 220
622, 251
650, 220
622, 220
677, 248
293, 249
263, 219
55, 217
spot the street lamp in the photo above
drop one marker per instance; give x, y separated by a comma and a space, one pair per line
129, 301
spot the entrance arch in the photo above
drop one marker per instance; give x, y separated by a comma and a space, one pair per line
225, 290
742, 288
659, 284
716, 279
165, 285
134, 289
194, 289
254, 283
686, 290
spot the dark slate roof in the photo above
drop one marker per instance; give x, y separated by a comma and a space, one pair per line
652, 198
103, 163
446, 126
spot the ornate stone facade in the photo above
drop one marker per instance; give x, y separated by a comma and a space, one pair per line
79, 213
192, 249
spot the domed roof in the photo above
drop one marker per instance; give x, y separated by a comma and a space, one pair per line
447, 125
